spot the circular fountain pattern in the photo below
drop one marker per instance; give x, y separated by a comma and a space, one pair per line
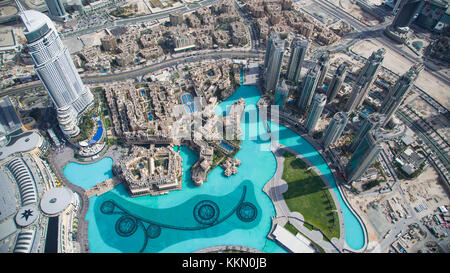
173, 213
206, 212
153, 231
107, 207
126, 226
247, 212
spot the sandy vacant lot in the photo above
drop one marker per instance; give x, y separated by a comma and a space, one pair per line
399, 64
426, 189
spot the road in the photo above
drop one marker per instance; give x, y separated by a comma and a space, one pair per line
386, 42
402, 226
130, 74
430, 143
128, 21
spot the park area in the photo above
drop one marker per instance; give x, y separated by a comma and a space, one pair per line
308, 195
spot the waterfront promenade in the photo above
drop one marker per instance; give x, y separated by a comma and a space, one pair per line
57, 162
276, 187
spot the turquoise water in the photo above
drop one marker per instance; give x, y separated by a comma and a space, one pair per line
354, 234
87, 175
224, 210
171, 220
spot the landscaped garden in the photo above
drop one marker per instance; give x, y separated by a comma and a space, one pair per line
308, 195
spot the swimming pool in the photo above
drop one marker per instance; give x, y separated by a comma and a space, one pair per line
226, 146
186, 99
224, 210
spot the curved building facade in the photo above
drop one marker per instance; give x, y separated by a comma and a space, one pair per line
25, 180
56, 70
408, 12
24, 241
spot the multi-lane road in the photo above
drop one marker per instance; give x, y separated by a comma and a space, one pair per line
139, 72
145, 18
366, 30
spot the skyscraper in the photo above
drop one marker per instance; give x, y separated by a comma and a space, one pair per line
408, 10
316, 111
397, 92
364, 156
369, 123
308, 88
272, 37
56, 10
298, 51
56, 70
336, 82
356, 96
275, 48
281, 94
335, 129
365, 80
324, 62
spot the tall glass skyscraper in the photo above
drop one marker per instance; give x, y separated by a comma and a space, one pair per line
408, 10
324, 62
318, 105
364, 156
56, 70
365, 80
336, 82
370, 123
56, 10
299, 48
272, 37
335, 129
308, 88
273, 60
397, 92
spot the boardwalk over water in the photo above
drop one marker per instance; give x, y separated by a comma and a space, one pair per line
103, 187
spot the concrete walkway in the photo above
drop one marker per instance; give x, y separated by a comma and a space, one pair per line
57, 162
275, 189
339, 186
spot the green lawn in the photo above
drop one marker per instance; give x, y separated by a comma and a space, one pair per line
307, 195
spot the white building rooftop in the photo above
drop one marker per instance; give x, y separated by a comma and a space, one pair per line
27, 215
56, 200
24, 143
291, 242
